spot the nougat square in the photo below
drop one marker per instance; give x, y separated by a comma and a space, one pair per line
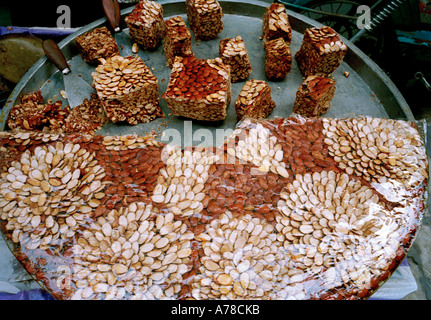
128, 90
199, 89
205, 18
254, 100
278, 59
96, 44
276, 23
314, 96
177, 41
146, 24
321, 51
234, 53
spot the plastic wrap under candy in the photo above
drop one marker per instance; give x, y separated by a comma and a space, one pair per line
287, 208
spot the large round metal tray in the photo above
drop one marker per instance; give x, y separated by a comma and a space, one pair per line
367, 91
